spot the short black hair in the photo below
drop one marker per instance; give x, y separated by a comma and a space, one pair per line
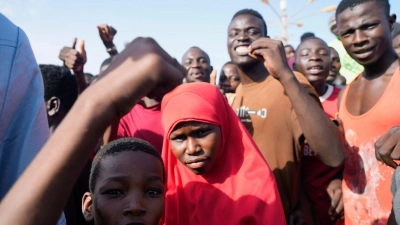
306, 35
118, 146
253, 13
106, 63
205, 53
313, 38
289, 46
345, 4
228, 63
59, 82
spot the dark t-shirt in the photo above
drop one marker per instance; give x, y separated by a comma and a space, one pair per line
268, 115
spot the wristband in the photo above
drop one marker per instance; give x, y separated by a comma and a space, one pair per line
112, 49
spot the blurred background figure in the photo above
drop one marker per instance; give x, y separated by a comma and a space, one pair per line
229, 80
396, 38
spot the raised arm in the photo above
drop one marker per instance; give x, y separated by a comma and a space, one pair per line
107, 33
75, 61
321, 134
40, 194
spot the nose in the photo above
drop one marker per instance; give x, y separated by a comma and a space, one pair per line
314, 56
242, 36
195, 64
359, 39
192, 146
136, 204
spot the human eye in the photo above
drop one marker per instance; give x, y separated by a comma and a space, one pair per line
113, 192
202, 60
154, 192
254, 32
188, 63
177, 138
304, 53
324, 53
233, 34
203, 132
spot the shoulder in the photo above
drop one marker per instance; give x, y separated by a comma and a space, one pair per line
9, 32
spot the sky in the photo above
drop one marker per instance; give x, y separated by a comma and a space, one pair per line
176, 25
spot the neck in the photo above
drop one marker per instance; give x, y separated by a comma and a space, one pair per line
252, 73
149, 102
387, 64
320, 88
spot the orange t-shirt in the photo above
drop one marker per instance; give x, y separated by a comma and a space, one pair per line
366, 183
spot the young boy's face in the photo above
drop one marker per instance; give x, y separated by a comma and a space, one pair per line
128, 190
196, 145
229, 79
335, 65
313, 60
396, 45
365, 32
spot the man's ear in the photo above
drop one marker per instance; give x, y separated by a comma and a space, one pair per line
392, 21
53, 106
87, 207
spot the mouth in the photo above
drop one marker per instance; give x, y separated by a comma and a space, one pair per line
315, 69
197, 162
365, 52
196, 74
242, 49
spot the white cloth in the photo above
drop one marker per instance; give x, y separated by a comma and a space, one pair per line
23, 122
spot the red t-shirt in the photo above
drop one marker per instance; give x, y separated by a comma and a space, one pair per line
144, 123
316, 175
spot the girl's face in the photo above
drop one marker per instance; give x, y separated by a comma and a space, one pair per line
197, 145
129, 190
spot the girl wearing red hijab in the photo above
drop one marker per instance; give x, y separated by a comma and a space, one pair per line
215, 172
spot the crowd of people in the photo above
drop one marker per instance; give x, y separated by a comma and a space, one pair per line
283, 135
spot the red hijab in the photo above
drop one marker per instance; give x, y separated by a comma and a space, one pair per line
240, 189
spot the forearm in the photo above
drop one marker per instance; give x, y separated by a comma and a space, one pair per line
80, 77
43, 189
319, 131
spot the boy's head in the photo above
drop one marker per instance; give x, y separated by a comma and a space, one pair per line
60, 92
313, 60
198, 64
126, 184
246, 26
335, 65
229, 78
364, 27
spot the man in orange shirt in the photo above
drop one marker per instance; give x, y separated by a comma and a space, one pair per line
368, 108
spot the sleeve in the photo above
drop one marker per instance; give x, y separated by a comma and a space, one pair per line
23, 122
